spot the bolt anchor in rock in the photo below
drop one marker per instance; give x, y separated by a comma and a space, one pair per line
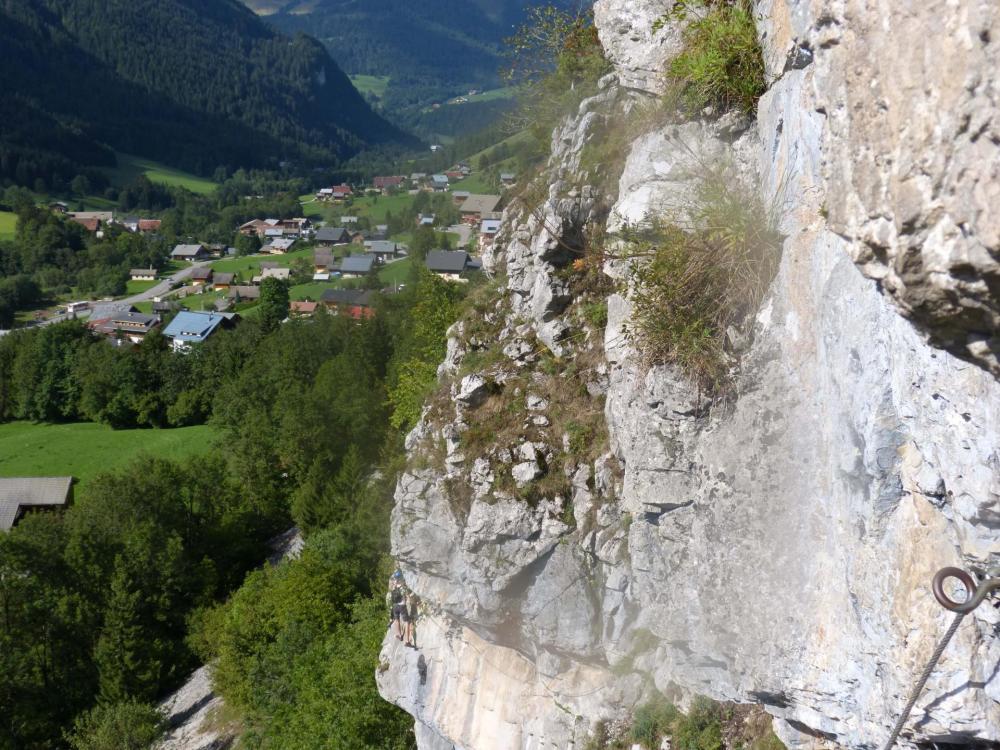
974, 596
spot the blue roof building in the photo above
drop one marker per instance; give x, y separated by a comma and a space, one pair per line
195, 327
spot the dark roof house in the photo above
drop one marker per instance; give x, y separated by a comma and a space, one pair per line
357, 265
356, 303
382, 249
450, 264
333, 235
189, 252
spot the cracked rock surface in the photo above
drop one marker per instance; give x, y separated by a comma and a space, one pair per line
777, 548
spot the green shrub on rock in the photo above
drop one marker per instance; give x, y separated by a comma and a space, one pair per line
721, 64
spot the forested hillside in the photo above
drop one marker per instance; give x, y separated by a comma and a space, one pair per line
429, 51
112, 604
195, 85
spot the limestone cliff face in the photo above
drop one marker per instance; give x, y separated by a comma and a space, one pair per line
778, 548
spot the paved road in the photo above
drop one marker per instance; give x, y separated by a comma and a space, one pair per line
164, 286
464, 232
156, 291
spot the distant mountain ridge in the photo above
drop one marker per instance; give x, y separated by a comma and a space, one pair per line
194, 83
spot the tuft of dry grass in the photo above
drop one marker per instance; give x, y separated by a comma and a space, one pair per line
700, 274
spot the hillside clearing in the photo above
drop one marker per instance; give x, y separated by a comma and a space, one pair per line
8, 224
85, 449
130, 167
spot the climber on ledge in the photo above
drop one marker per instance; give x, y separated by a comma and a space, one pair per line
410, 608
396, 599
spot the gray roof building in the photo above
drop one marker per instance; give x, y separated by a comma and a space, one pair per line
358, 265
382, 247
480, 204
189, 252
333, 235
20, 495
446, 261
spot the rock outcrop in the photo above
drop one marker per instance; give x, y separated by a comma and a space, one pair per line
776, 548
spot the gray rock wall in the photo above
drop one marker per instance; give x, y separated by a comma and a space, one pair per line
777, 548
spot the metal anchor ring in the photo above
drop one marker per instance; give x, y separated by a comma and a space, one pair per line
975, 594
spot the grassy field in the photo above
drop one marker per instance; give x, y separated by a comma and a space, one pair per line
493, 94
8, 223
376, 85
476, 183
138, 287
396, 273
85, 450
312, 291
374, 207
130, 167
249, 265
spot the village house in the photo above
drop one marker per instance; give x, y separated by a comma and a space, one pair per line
189, 328
131, 327
165, 307
278, 247
243, 293
357, 265
282, 274
335, 194
330, 236
92, 221
354, 303
488, 231
322, 261
426, 220
276, 228
508, 179
302, 308
341, 193
59, 207
255, 227
135, 224
438, 183
417, 177
460, 196
90, 224
121, 322
223, 281
191, 253
382, 250
476, 206
142, 274
450, 265
201, 276
20, 496
385, 184
348, 220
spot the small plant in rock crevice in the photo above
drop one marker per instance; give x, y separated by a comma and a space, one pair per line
721, 64
700, 274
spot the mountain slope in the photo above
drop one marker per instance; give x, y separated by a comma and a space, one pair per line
197, 84
430, 51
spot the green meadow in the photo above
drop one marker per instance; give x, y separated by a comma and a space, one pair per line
85, 449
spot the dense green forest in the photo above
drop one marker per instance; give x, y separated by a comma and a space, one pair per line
110, 605
194, 85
